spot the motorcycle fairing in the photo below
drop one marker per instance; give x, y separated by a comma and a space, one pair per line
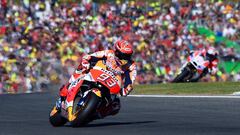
108, 79
198, 62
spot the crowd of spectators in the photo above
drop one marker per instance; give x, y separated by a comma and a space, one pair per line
42, 42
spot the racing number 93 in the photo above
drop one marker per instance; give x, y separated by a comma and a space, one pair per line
105, 78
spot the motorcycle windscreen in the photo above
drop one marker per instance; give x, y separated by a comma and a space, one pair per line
108, 79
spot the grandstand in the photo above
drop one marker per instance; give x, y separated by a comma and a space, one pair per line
43, 41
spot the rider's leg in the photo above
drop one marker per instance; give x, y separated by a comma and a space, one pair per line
116, 105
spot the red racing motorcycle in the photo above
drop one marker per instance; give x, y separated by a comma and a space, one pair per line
91, 92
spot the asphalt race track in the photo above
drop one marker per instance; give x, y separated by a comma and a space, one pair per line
27, 114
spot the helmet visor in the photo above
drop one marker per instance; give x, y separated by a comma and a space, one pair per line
123, 56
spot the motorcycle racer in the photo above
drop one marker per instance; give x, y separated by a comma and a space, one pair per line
211, 55
118, 61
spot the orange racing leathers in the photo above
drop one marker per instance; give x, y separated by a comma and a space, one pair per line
125, 67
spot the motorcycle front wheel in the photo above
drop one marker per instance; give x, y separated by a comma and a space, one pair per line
83, 113
56, 119
181, 77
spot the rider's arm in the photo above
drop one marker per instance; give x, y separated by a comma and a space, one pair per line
94, 57
130, 76
133, 72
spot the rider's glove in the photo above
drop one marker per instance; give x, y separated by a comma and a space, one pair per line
125, 91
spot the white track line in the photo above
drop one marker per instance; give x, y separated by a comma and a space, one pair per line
182, 96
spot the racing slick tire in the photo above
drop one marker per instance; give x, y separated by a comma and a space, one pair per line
56, 119
84, 112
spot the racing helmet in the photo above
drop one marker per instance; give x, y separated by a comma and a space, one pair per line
123, 50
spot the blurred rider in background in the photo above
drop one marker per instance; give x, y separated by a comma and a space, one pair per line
210, 54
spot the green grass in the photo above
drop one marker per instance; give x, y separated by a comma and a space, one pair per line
216, 88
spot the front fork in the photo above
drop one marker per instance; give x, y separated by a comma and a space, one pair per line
71, 115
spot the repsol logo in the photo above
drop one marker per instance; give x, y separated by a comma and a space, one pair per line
111, 74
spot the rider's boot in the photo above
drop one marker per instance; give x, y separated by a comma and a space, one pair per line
115, 107
111, 109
